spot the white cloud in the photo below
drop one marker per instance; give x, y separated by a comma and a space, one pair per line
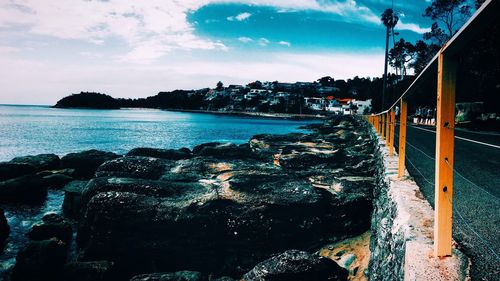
245, 39
239, 17
150, 28
285, 43
412, 27
263, 42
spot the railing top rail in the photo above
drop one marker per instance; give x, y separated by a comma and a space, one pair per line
479, 19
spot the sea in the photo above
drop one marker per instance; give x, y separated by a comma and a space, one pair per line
30, 130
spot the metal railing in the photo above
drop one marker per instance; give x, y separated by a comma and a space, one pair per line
445, 64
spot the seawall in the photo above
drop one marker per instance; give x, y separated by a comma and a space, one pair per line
402, 224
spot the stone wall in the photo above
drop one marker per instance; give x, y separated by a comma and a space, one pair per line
401, 242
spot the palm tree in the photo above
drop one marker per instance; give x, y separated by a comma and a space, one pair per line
389, 19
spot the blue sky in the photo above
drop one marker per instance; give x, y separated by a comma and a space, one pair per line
137, 48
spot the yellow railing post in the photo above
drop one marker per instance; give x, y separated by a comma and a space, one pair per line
387, 128
402, 138
445, 124
391, 132
383, 126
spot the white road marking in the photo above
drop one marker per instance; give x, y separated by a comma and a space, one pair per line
460, 138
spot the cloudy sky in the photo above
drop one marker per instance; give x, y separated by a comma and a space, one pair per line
51, 48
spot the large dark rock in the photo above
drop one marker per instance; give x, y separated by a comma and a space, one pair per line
135, 167
228, 207
9, 170
298, 266
170, 276
4, 230
223, 150
89, 271
57, 180
170, 154
41, 162
52, 225
25, 189
73, 193
85, 163
140, 186
40, 260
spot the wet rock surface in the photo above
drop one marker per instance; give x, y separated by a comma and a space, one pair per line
23, 189
296, 265
228, 207
88, 271
40, 260
85, 163
52, 225
41, 162
73, 192
4, 230
170, 154
170, 276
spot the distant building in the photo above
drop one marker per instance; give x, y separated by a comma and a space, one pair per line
363, 106
315, 103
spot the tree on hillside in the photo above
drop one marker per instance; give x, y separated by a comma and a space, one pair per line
326, 81
423, 54
401, 55
448, 17
389, 19
220, 86
255, 85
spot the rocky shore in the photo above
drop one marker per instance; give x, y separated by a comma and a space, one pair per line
257, 211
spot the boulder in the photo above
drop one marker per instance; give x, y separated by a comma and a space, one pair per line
57, 180
170, 154
139, 186
227, 207
73, 192
85, 163
41, 162
40, 260
223, 150
170, 276
10, 170
24, 189
52, 225
218, 229
4, 230
135, 167
298, 266
89, 271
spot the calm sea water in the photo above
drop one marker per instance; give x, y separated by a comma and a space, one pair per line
27, 130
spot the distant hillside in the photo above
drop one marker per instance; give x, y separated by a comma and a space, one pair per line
88, 100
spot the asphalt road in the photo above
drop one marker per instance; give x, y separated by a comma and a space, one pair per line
476, 198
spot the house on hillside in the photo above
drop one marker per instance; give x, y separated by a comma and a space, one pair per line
362, 106
315, 103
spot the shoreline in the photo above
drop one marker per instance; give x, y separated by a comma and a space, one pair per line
292, 116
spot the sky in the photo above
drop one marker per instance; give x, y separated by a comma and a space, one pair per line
52, 48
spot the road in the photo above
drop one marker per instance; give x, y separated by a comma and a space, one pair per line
476, 198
